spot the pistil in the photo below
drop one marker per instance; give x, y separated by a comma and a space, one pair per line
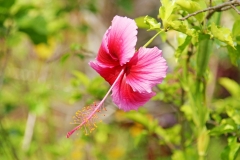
98, 107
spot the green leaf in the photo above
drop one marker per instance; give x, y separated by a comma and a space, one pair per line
231, 150
181, 26
35, 36
81, 77
187, 110
76, 47
140, 21
165, 11
182, 47
222, 105
23, 11
163, 36
236, 29
203, 141
141, 137
222, 34
76, 96
193, 6
97, 88
5, 8
226, 126
34, 27
232, 86
101, 135
234, 54
152, 23
6, 4
64, 58
189, 154
140, 118
81, 56
234, 114
204, 51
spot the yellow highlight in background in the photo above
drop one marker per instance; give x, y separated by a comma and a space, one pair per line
45, 51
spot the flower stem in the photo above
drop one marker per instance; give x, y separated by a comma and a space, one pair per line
150, 41
96, 108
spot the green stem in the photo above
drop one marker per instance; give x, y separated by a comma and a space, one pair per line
150, 41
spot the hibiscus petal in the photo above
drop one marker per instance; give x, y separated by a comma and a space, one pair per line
146, 69
121, 39
126, 99
109, 74
104, 58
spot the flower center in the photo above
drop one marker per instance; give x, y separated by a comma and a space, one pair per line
127, 69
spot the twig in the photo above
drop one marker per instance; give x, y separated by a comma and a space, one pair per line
221, 7
235, 9
83, 51
29, 131
171, 45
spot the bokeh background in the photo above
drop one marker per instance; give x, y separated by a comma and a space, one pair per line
45, 47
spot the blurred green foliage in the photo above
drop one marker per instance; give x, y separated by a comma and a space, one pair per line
42, 60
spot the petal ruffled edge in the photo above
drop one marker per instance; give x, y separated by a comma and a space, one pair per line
122, 38
126, 99
146, 69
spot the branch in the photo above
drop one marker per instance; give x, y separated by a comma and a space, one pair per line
83, 51
171, 45
235, 9
221, 7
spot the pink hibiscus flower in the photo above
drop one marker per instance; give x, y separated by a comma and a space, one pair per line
131, 73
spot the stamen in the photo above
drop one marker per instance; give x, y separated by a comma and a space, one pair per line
88, 115
81, 115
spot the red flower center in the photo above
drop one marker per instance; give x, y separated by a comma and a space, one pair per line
127, 69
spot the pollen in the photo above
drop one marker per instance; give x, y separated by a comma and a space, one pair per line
88, 117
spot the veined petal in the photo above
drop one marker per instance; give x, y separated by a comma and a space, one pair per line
146, 69
126, 99
121, 39
109, 74
104, 58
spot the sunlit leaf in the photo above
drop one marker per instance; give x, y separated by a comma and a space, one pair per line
187, 110
193, 6
232, 86
182, 47
152, 23
140, 23
226, 126
165, 11
234, 54
234, 114
181, 26
235, 29
231, 150
203, 140
222, 34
